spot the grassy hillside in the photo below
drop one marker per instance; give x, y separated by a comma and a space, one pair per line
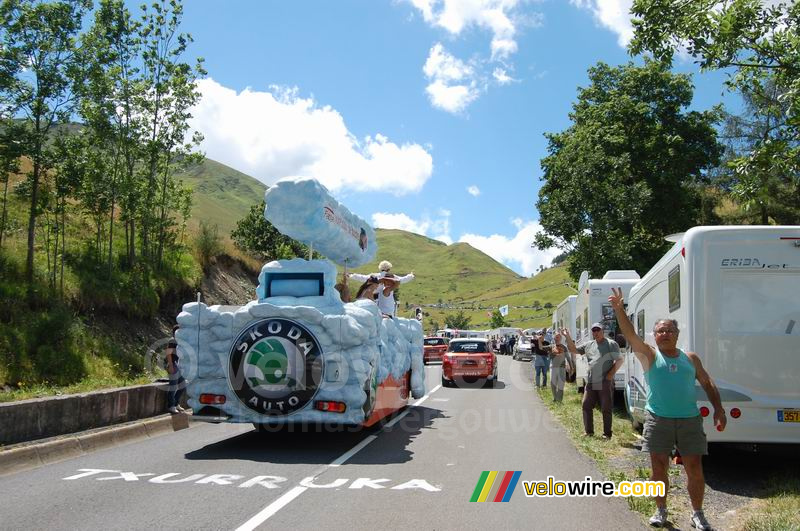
222, 195
457, 277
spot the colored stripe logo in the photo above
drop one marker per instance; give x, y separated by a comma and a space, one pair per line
495, 486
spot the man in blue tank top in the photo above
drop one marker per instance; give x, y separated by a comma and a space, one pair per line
672, 418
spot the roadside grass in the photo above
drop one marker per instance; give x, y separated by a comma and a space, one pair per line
779, 510
569, 414
91, 383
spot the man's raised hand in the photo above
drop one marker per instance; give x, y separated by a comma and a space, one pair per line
616, 299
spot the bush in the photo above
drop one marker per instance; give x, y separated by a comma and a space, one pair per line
208, 244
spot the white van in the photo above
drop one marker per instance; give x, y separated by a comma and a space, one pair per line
564, 316
592, 306
735, 292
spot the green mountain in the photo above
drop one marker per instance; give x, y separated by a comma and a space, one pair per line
222, 195
449, 278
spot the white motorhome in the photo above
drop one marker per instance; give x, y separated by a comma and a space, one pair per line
564, 316
735, 293
592, 306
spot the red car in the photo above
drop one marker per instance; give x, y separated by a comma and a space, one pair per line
469, 360
433, 348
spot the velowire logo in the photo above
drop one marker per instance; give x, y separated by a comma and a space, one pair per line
275, 366
495, 486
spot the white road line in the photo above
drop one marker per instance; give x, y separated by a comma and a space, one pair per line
284, 500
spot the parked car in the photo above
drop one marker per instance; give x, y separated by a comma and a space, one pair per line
523, 349
469, 360
433, 348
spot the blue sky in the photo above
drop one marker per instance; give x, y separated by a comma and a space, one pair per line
424, 115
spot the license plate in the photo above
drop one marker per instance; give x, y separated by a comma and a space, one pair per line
789, 415
471, 373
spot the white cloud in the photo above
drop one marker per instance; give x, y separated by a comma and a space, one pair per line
452, 84
500, 17
437, 228
515, 252
612, 14
501, 76
277, 133
473, 191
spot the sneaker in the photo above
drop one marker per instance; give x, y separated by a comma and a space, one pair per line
606, 437
699, 521
659, 518
173, 409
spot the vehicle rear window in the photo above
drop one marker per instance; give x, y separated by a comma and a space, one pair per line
468, 346
434, 341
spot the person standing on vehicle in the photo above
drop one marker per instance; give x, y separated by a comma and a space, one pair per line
541, 360
389, 283
559, 361
176, 381
604, 360
671, 414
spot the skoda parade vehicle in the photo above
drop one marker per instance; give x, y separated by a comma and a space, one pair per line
735, 293
298, 354
592, 306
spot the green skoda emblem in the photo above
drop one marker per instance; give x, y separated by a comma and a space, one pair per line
270, 358
275, 366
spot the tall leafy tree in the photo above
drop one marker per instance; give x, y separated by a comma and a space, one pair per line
758, 176
457, 321
625, 173
757, 41
164, 105
497, 320
40, 62
257, 236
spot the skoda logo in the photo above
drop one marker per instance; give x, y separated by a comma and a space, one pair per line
275, 366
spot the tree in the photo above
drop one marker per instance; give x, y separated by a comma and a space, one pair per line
625, 173
497, 320
458, 321
758, 176
255, 235
758, 40
40, 63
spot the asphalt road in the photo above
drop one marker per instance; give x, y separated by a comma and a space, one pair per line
418, 471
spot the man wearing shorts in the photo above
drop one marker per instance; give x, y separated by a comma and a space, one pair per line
672, 417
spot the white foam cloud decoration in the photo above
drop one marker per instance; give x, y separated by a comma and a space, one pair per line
303, 209
516, 252
355, 344
611, 14
277, 133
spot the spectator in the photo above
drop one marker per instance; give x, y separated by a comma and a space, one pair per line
503, 345
511, 342
559, 361
176, 381
541, 360
671, 414
604, 361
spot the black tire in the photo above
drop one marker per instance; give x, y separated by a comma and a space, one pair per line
635, 424
446, 382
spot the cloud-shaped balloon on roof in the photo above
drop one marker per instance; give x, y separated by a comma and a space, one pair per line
306, 211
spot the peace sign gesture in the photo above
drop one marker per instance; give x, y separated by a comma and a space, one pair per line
616, 299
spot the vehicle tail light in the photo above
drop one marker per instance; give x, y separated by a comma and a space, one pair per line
334, 407
704, 411
736, 412
207, 398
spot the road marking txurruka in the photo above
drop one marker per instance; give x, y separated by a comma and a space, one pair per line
287, 498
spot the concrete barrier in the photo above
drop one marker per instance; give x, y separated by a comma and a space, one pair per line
39, 418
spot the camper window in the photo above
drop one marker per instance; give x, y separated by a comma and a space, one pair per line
640, 323
675, 289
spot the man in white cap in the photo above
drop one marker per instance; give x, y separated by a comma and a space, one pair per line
604, 361
388, 283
